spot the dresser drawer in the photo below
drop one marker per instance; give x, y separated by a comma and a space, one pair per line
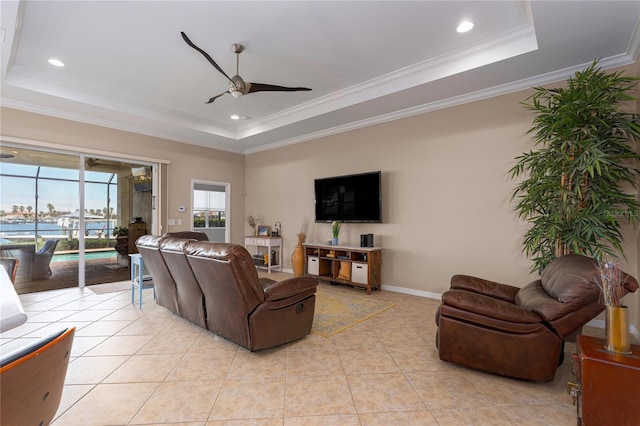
360, 273
313, 265
255, 242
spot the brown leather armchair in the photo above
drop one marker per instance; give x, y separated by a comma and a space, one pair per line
519, 332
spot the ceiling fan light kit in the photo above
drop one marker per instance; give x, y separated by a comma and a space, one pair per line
237, 86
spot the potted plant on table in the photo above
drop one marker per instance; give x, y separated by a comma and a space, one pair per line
122, 239
573, 193
335, 230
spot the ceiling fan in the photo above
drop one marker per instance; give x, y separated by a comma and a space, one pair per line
237, 86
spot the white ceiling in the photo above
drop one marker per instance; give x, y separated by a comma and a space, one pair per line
128, 68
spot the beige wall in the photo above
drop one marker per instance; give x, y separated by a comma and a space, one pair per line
446, 194
186, 161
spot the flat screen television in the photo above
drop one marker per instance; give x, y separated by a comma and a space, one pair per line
351, 198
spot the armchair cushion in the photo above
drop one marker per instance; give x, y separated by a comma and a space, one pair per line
534, 298
486, 287
571, 279
488, 306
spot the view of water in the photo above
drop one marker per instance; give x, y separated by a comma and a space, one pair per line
28, 228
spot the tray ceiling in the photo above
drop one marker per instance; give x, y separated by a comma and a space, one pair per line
128, 68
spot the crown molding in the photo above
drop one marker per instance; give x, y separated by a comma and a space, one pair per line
504, 89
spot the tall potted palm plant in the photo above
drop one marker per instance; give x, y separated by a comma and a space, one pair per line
576, 189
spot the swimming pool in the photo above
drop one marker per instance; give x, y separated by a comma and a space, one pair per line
88, 255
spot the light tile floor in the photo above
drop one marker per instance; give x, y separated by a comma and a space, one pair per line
148, 366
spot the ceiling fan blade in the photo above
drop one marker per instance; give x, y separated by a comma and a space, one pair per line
205, 54
260, 87
216, 97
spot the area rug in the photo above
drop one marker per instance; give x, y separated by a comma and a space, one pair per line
339, 308
110, 287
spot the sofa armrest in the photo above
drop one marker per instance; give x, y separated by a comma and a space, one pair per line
489, 307
266, 282
289, 287
486, 287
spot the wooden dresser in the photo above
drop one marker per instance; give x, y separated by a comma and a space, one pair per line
608, 384
136, 230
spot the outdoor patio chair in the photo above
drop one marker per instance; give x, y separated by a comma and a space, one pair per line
42, 259
11, 265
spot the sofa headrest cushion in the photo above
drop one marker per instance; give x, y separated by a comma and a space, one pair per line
174, 244
189, 235
149, 241
571, 279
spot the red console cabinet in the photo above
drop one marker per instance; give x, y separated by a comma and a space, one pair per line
609, 384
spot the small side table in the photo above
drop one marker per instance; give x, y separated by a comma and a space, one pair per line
270, 243
607, 383
138, 280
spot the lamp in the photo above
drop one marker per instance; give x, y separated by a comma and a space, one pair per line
235, 92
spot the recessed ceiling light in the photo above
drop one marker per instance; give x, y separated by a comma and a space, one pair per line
464, 26
235, 117
56, 62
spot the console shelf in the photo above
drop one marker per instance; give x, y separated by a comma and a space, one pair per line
356, 266
265, 248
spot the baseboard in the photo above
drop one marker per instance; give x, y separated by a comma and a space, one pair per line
412, 292
596, 323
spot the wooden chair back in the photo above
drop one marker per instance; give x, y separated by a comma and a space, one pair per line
33, 378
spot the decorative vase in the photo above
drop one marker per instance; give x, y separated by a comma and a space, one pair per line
335, 241
617, 330
297, 261
122, 245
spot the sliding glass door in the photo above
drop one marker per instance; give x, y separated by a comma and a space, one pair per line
66, 216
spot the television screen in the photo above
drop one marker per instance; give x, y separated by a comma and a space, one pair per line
352, 198
142, 179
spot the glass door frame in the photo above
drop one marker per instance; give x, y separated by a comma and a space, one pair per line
82, 155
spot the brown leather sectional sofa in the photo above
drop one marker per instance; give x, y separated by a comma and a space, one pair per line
216, 286
519, 332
